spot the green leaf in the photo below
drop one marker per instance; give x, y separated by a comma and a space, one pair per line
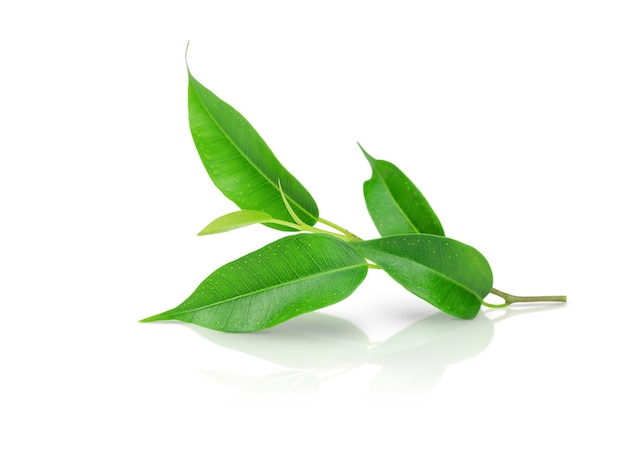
448, 274
235, 220
239, 161
395, 204
292, 276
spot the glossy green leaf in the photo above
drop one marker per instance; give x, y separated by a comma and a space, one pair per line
235, 220
292, 276
239, 161
395, 204
448, 274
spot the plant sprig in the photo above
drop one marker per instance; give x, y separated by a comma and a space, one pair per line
317, 267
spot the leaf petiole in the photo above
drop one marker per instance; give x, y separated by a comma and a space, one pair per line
510, 299
346, 235
290, 210
341, 229
308, 228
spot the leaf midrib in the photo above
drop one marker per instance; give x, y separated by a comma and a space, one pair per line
393, 198
219, 126
431, 270
258, 291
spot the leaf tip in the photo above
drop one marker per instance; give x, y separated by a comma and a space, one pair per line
209, 229
159, 317
149, 319
367, 155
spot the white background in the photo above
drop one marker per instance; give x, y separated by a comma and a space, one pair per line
509, 116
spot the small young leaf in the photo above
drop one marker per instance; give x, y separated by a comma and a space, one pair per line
235, 220
448, 274
239, 161
395, 204
292, 276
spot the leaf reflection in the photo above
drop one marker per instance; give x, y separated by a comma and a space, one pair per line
317, 347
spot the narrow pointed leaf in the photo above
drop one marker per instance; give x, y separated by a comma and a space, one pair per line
395, 204
448, 274
292, 276
239, 161
235, 220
